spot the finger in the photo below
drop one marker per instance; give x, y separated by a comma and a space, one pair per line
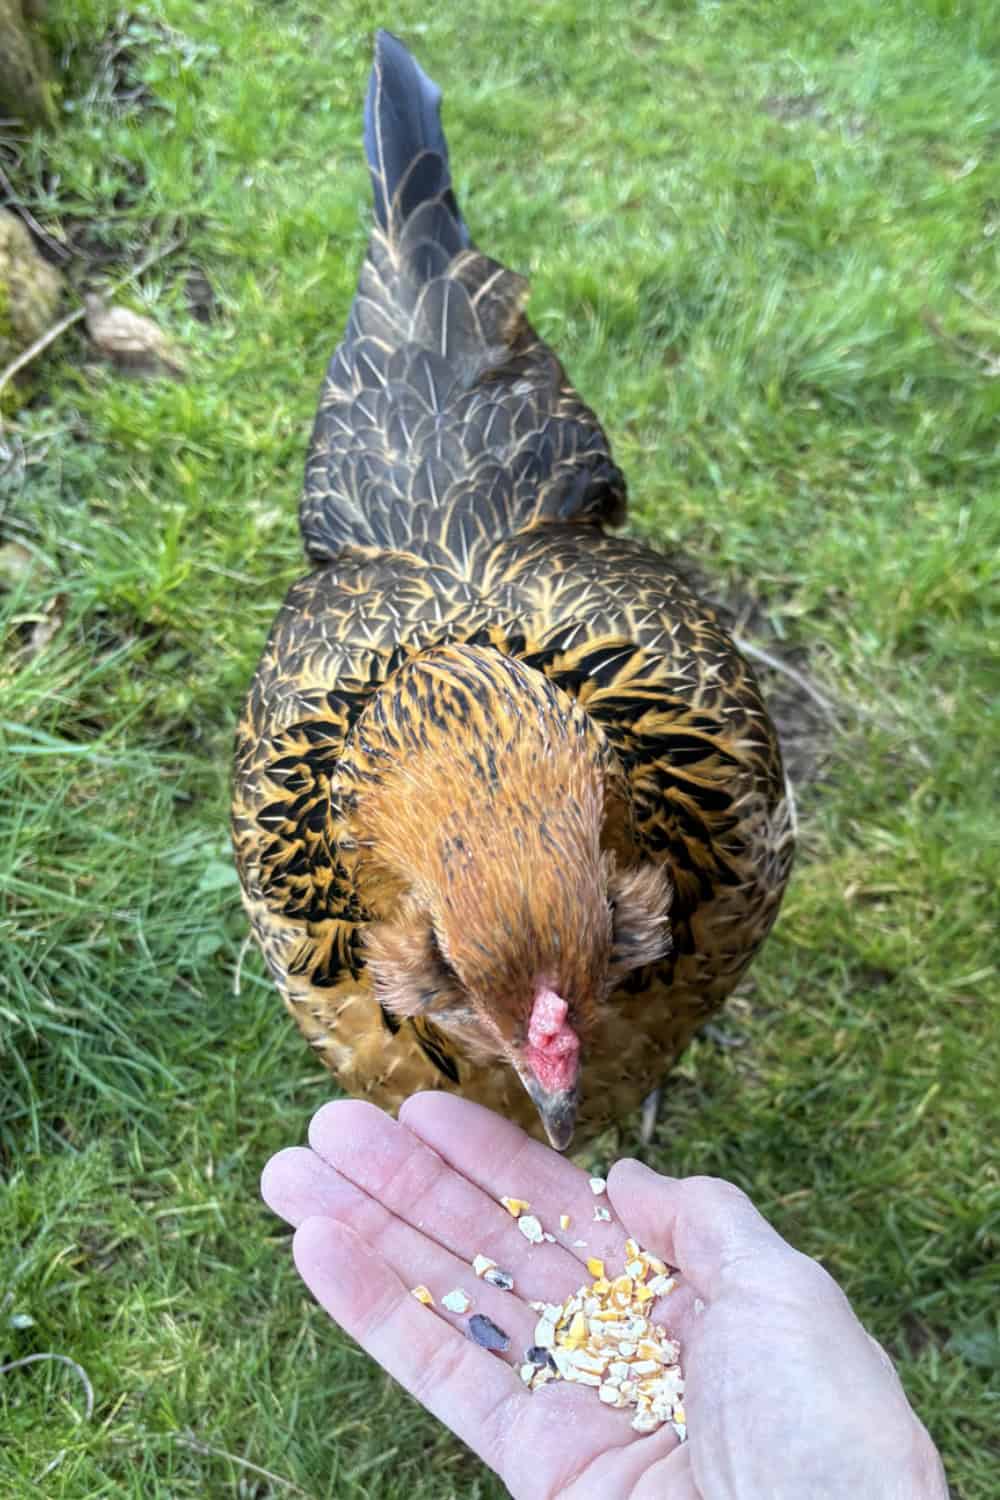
393, 1165
502, 1160
299, 1186
706, 1227
473, 1393
670, 1478
647, 1468
294, 1185
667, 1478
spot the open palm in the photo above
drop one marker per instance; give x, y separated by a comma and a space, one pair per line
787, 1395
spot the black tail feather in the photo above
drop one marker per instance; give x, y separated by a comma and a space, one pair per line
405, 145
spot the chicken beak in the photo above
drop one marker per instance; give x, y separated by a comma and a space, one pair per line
557, 1110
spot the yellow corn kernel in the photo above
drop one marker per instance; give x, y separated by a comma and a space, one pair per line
578, 1328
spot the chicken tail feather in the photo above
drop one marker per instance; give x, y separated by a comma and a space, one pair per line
406, 148
445, 423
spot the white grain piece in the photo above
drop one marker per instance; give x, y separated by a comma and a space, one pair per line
598, 1185
502, 1279
599, 1329
668, 1383
544, 1336
602, 1215
594, 1363
482, 1264
579, 1244
457, 1301
609, 1394
530, 1228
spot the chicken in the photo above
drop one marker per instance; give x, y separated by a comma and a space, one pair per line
509, 813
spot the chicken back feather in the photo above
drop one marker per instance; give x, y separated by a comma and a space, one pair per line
509, 812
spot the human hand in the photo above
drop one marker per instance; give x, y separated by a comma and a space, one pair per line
787, 1397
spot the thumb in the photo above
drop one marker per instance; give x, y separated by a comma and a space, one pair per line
706, 1227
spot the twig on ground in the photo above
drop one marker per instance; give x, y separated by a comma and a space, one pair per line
33, 350
23, 212
758, 654
51, 334
53, 1463
831, 708
63, 1359
238, 970
989, 363
188, 1440
973, 301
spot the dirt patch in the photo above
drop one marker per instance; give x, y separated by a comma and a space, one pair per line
200, 296
793, 109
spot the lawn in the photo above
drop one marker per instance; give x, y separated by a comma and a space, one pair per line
765, 240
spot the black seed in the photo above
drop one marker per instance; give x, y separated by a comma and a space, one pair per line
484, 1331
536, 1355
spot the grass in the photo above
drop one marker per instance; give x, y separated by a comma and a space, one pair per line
765, 239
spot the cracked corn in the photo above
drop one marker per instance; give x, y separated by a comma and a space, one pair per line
602, 1336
